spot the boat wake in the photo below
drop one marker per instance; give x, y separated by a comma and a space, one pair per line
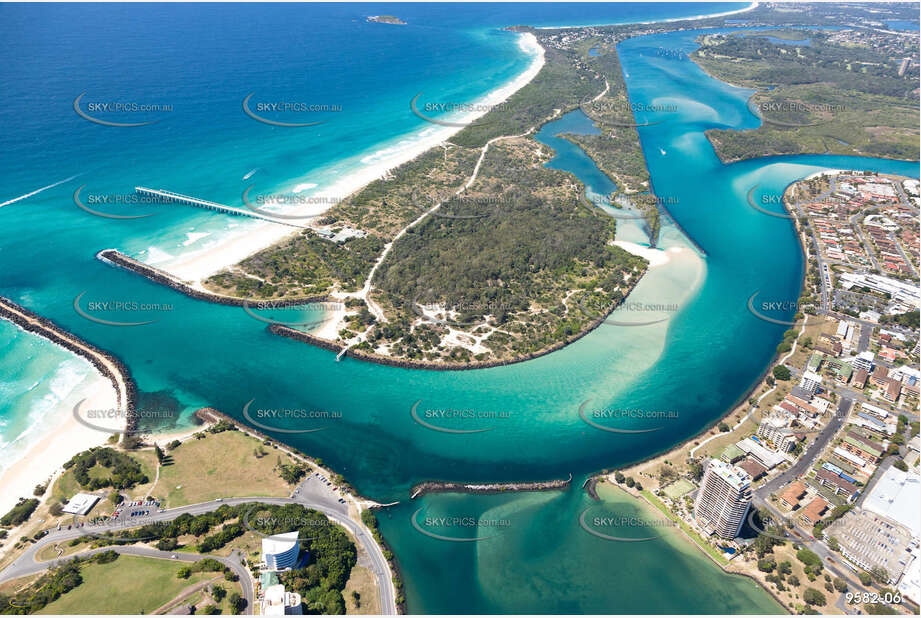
30, 194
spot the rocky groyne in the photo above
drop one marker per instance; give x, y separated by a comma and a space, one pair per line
430, 487
105, 363
116, 258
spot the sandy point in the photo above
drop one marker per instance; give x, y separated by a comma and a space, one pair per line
655, 257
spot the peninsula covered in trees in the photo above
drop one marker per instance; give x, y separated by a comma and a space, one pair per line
477, 252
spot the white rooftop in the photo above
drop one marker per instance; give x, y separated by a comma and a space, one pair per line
897, 495
81, 504
734, 475
765, 455
279, 543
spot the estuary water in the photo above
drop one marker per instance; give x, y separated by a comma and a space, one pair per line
681, 373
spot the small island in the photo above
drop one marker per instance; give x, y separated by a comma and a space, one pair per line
386, 19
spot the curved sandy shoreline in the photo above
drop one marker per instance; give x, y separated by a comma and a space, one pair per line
753, 6
234, 247
112, 388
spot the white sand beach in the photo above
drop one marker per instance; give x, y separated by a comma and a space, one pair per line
44, 459
656, 257
247, 239
754, 5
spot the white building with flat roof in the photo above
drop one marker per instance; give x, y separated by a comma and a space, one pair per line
278, 602
869, 540
81, 504
810, 381
864, 361
760, 453
899, 291
897, 495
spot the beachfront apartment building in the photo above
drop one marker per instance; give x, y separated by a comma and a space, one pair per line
810, 382
776, 429
723, 499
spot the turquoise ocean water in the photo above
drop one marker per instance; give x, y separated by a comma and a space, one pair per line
203, 60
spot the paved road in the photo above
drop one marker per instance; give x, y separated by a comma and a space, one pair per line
829, 561
863, 344
233, 562
863, 239
310, 489
801, 465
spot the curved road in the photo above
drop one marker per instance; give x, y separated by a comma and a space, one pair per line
26, 564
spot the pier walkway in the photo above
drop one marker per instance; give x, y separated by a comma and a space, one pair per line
172, 196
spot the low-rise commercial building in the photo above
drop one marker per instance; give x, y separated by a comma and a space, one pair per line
81, 504
765, 456
279, 602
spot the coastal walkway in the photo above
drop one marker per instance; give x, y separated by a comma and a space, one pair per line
172, 196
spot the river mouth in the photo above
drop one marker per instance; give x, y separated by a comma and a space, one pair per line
684, 373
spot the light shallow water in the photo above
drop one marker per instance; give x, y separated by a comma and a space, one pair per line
199, 354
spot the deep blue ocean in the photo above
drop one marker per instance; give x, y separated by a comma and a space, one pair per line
202, 60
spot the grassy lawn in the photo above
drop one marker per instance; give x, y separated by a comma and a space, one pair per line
715, 447
712, 551
250, 544
361, 580
130, 585
66, 485
148, 461
50, 552
815, 326
221, 465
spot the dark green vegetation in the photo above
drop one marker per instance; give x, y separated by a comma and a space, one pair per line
616, 149
519, 262
19, 513
841, 95
307, 265
566, 78
331, 553
102, 467
51, 586
302, 266
509, 270
908, 320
